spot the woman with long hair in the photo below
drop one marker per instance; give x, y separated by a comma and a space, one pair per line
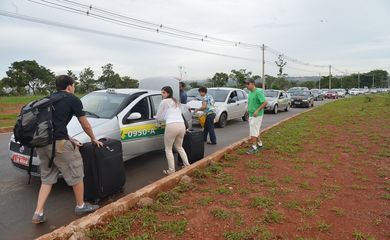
170, 112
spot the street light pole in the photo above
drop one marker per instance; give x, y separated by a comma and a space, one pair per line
263, 65
330, 76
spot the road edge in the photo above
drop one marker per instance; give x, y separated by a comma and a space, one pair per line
75, 230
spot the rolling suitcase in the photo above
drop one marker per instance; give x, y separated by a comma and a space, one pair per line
104, 172
193, 144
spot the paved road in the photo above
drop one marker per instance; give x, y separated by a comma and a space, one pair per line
18, 198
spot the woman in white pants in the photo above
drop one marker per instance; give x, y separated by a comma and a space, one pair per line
170, 112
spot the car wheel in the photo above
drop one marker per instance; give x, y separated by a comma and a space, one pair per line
245, 117
275, 110
287, 107
222, 120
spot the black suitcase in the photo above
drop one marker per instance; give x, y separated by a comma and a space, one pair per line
104, 172
193, 144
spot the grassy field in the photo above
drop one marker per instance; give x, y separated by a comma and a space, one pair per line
10, 108
317, 172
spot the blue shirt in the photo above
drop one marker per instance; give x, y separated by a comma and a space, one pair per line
183, 97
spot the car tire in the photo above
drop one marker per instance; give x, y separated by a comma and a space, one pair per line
222, 120
287, 107
275, 109
245, 117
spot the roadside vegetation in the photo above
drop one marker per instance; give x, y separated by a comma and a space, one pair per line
309, 181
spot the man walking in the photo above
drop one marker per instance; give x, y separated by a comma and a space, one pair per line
256, 105
67, 158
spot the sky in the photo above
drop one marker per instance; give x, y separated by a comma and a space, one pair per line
351, 35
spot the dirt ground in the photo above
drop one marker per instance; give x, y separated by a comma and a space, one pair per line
323, 175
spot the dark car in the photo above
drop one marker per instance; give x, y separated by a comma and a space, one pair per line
317, 94
302, 99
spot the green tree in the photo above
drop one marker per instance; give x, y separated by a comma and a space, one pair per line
87, 82
128, 82
29, 75
71, 74
109, 79
194, 84
219, 79
240, 76
308, 84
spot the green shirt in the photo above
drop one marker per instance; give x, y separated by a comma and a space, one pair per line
255, 99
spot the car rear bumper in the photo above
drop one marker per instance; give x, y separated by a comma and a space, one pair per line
300, 103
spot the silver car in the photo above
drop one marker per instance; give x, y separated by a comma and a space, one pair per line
124, 114
277, 100
231, 103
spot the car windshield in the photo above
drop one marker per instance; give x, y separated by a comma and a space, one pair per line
102, 104
219, 95
271, 94
300, 93
192, 92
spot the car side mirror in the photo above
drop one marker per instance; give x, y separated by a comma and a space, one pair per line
134, 116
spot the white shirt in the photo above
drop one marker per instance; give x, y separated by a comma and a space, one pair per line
169, 111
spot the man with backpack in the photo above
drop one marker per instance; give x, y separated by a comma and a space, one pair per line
67, 158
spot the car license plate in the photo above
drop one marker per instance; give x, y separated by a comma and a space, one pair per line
16, 158
297, 102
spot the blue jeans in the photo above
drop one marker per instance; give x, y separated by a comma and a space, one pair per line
209, 128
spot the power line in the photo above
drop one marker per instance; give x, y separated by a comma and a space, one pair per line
115, 18
72, 27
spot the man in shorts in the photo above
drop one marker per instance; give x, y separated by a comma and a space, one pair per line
67, 158
256, 105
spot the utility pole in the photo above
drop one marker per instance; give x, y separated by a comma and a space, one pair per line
330, 76
263, 65
181, 72
358, 79
373, 81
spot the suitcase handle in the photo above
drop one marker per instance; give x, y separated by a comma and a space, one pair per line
107, 147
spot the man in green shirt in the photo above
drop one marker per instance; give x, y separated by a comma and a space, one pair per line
256, 105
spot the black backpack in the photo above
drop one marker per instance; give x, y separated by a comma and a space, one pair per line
34, 126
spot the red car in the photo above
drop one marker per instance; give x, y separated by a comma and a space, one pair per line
332, 94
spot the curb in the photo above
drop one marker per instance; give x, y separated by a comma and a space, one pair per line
75, 229
4, 130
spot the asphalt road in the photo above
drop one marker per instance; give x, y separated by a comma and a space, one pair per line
18, 199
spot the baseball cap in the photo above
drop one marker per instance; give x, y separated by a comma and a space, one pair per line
249, 80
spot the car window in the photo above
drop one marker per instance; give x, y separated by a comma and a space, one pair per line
219, 95
142, 107
233, 96
102, 104
156, 100
241, 95
271, 93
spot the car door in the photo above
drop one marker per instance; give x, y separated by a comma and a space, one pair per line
141, 135
233, 105
282, 101
243, 101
